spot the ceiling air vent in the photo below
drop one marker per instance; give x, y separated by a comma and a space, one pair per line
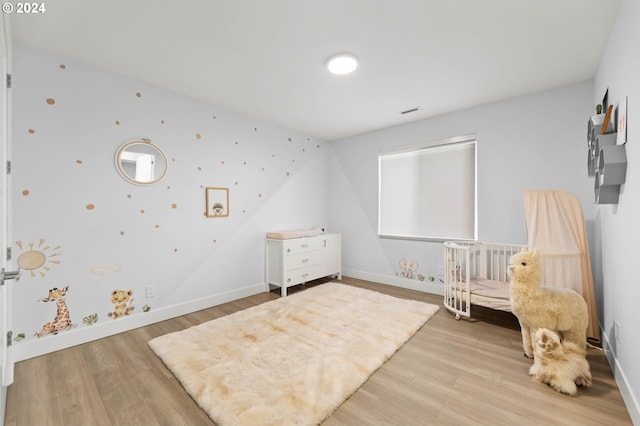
409, 111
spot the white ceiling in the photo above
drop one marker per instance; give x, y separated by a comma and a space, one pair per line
266, 58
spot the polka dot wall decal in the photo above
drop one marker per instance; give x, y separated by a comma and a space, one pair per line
175, 250
199, 168
31, 131
51, 101
121, 232
129, 195
90, 206
63, 66
289, 139
161, 121
259, 195
222, 162
198, 136
174, 206
157, 226
138, 94
236, 142
78, 161
141, 211
255, 129
25, 192
288, 173
117, 122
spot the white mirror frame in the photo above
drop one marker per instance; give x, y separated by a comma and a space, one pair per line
154, 177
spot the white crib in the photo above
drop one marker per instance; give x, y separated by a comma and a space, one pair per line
475, 273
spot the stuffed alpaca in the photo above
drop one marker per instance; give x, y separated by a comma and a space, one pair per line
560, 364
537, 306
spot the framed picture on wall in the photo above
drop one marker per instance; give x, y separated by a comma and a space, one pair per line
605, 100
622, 122
217, 200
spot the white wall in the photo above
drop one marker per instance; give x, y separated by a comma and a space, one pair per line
532, 142
617, 229
100, 233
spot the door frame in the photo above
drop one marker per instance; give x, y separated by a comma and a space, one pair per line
6, 288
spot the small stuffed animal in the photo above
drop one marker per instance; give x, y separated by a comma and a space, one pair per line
560, 364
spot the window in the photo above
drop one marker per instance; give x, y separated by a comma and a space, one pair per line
429, 191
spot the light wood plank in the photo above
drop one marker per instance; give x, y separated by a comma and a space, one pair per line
77, 403
450, 373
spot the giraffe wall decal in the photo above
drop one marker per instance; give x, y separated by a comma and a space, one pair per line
61, 321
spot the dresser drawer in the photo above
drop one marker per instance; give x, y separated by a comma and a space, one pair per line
301, 260
300, 245
301, 275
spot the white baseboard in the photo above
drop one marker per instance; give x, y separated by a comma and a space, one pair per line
425, 286
628, 396
37, 347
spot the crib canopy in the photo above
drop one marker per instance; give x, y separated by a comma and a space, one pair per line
556, 228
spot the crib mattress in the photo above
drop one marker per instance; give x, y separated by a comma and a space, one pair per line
490, 293
489, 288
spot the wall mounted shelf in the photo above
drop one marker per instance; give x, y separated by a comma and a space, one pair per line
612, 165
595, 139
606, 161
595, 126
609, 165
606, 194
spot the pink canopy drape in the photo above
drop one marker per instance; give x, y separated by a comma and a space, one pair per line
556, 228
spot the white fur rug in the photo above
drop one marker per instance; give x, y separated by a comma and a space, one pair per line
290, 361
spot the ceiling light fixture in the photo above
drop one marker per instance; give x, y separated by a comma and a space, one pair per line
342, 63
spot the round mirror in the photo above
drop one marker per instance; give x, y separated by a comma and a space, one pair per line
141, 162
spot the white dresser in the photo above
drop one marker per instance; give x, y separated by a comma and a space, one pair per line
299, 260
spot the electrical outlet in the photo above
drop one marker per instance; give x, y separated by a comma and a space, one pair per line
616, 331
151, 291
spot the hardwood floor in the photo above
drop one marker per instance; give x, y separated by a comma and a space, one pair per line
450, 373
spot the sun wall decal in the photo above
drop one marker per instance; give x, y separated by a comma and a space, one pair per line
35, 259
